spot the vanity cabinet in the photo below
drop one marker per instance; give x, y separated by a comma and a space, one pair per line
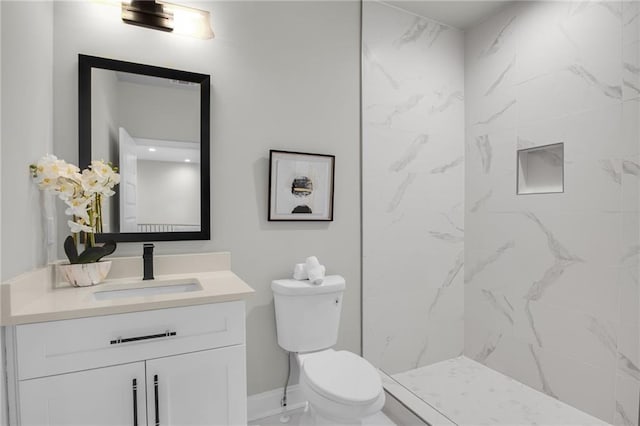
100, 397
175, 366
201, 388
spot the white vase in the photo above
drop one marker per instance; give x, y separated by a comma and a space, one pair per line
85, 274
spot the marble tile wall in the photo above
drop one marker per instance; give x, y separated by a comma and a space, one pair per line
551, 280
413, 189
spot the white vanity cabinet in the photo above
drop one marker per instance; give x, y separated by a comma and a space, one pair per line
102, 396
174, 366
200, 388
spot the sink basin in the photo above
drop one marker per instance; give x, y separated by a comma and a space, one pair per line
151, 289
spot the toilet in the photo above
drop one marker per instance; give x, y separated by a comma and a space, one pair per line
341, 388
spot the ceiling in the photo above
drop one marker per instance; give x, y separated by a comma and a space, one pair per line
458, 14
171, 151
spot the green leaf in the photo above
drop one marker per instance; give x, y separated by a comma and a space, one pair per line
94, 254
70, 249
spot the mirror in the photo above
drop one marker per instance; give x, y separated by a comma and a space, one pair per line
153, 124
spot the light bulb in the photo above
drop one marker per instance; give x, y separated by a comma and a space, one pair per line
190, 21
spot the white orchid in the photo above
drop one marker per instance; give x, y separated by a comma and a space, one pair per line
48, 171
106, 172
102, 178
78, 207
79, 227
82, 191
89, 181
68, 188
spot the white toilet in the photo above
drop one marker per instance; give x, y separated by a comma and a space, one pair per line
341, 387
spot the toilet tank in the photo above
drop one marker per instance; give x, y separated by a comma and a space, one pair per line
308, 315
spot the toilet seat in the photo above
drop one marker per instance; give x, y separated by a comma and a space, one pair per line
342, 377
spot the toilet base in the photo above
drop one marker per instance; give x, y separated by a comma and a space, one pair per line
312, 418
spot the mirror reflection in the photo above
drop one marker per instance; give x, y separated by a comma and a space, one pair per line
149, 127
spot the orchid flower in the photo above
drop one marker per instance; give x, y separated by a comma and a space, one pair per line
79, 208
79, 227
82, 192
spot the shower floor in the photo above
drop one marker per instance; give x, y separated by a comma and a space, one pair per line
469, 393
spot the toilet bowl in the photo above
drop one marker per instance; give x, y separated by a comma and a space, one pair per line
340, 387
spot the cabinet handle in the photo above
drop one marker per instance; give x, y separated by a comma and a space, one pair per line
135, 402
147, 337
155, 391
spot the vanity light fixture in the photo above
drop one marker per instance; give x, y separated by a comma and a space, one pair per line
148, 14
169, 17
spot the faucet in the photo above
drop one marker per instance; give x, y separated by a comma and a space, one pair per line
147, 258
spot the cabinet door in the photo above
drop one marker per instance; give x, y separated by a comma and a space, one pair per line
102, 397
199, 388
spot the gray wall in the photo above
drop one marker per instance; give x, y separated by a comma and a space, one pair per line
27, 101
145, 111
285, 75
168, 192
157, 112
104, 115
26, 135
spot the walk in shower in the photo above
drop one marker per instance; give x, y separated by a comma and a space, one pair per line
501, 243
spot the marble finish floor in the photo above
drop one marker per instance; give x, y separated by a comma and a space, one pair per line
378, 419
470, 393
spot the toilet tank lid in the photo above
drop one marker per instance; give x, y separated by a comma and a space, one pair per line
291, 287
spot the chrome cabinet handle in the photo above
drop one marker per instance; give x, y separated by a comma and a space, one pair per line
155, 391
147, 337
134, 385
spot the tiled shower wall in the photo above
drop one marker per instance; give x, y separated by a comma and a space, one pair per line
413, 189
551, 280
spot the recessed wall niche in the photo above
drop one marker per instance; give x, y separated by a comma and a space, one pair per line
541, 169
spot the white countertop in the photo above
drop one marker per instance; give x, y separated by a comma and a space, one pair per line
40, 296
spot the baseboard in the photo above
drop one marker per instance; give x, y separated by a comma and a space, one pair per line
267, 404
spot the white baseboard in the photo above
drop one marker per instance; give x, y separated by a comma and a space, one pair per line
267, 404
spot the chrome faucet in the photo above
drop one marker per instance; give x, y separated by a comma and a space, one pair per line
147, 258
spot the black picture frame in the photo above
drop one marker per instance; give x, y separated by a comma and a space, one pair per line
85, 64
278, 190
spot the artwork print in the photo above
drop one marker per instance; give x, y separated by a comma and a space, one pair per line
301, 186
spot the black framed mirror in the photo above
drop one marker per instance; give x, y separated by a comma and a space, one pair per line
153, 124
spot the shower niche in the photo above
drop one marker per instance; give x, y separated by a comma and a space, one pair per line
541, 169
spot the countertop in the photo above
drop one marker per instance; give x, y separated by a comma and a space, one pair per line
40, 296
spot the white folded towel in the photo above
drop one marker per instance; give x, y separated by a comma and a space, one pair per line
316, 275
310, 270
315, 271
300, 272
311, 261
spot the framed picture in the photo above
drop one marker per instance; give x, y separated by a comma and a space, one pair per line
300, 186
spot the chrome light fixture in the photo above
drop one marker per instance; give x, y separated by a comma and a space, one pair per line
169, 17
